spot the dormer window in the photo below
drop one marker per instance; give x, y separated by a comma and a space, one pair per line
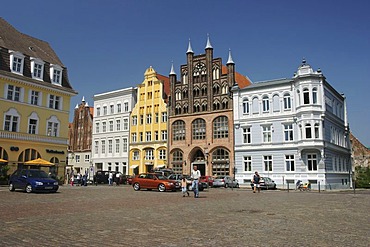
37, 68
16, 62
56, 74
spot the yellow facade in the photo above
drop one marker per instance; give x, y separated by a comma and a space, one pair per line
148, 130
18, 145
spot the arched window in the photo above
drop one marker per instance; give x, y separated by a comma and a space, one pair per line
314, 95
204, 90
199, 129
199, 70
28, 154
216, 105
225, 103
308, 131
220, 154
275, 103
306, 96
317, 130
216, 89
225, 88
185, 109
287, 102
12, 120
216, 72
177, 156
196, 107
53, 126
33, 123
204, 106
221, 127
245, 106
265, 103
185, 77
255, 106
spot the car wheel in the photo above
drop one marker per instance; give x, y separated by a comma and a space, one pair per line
28, 188
190, 188
11, 187
136, 186
161, 188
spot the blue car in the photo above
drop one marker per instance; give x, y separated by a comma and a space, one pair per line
32, 180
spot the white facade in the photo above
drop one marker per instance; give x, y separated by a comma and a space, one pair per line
292, 129
111, 129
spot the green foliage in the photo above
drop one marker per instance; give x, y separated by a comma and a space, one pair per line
363, 177
4, 173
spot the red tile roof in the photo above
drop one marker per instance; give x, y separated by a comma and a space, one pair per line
242, 80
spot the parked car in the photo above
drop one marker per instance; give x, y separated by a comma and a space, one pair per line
164, 171
101, 177
207, 179
266, 183
153, 181
178, 178
225, 181
129, 179
32, 180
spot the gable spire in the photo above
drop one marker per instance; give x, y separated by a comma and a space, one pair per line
208, 45
230, 60
190, 50
172, 72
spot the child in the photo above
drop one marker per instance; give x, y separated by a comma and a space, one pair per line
183, 187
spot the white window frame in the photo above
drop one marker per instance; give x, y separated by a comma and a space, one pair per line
287, 102
266, 134
164, 135
16, 93
135, 155
16, 59
288, 132
125, 124
110, 146
267, 163
265, 104
111, 109
247, 135
148, 136
37, 68
149, 154
56, 74
103, 146
162, 154
53, 126
247, 163
118, 124
117, 146
33, 128
289, 163
55, 102
77, 158
125, 106
125, 145
35, 97
246, 106
14, 121
312, 158
164, 117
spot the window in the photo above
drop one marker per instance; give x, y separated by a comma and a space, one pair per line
110, 146
149, 154
141, 136
220, 154
32, 126
103, 146
125, 145
164, 117
126, 106
288, 132
177, 156
119, 108
141, 119
314, 95
317, 130
275, 103
247, 135
178, 130
14, 93
199, 129
111, 125
87, 157
306, 96
162, 154
265, 104
96, 148
164, 135
118, 124
135, 155
266, 132
37, 68
54, 102
267, 161
35, 98
16, 62
56, 74
98, 111
255, 106
245, 106
312, 162
134, 120
247, 163
104, 127
287, 102
156, 117
149, 118
220, 127
134, 137
111, 109
105, 110
11, 123
289, 163
308, 131
148, 136
156, 135
78, 158
117, 146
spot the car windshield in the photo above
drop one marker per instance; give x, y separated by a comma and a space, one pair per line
161, 177
37, 174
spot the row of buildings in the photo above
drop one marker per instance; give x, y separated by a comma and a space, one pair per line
209, 115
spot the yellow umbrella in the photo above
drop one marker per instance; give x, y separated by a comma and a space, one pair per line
39, 162
3, 161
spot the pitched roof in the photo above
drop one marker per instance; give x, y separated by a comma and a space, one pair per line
12, 39
242, 80
166, 84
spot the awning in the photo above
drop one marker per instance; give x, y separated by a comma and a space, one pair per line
3, 161
133, 167
39, 162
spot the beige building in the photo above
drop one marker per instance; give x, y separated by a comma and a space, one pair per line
34, 100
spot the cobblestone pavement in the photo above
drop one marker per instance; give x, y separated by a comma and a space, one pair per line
119, 216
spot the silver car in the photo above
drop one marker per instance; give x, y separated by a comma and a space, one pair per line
225, 181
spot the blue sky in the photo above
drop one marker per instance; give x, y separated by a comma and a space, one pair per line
108, 44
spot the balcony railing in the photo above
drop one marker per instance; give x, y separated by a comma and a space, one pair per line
32, 138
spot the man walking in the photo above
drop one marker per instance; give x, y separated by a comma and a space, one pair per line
195, 175
256, 182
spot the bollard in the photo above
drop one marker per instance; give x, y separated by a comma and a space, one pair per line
319, 186
288, 186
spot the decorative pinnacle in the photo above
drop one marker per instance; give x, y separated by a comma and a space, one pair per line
208, 45
190, 50
230, 60
172, 72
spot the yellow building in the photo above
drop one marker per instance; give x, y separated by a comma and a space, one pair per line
148, 130
34, 102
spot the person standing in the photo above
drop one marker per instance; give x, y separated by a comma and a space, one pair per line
195, 175
256, 182
184, 184
110, 178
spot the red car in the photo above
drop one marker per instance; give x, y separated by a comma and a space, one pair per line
207, 179
151, 181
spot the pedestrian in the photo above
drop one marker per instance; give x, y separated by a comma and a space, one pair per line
256, 182
118, 178
110, 178
195, 175
184, 184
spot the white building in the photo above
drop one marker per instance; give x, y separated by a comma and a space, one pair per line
111, 129
292, 129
